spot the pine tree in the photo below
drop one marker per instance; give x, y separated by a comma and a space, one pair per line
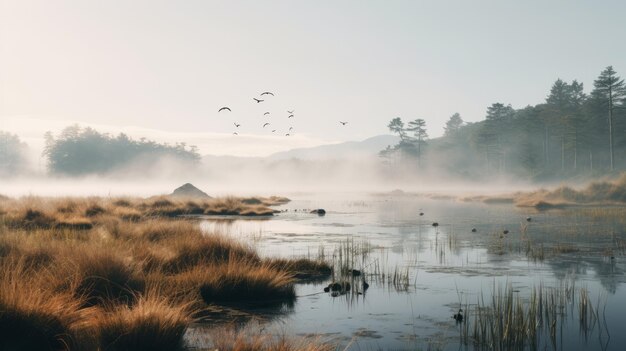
453, 125
609, 92
418, 127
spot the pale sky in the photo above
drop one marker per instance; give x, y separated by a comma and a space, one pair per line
168, 66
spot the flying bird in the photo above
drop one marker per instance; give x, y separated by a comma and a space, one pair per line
273, 130
343, 123
224, 108
290, 116
290, 112
235, 133
267, 93
266, 124
290, 129
257, 100
287, 134
266, 113
236, 125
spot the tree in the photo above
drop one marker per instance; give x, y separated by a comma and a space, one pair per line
397, 126
491, 136
12, 154
453, 125
79, 151
575, 118
418, 127
558, 105
609, 91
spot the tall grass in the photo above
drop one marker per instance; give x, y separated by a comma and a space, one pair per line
129, 280
507, 321
153, 323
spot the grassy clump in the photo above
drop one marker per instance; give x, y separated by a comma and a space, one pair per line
74, 274
103, 277
84, 213
153, 323
226, 340
236, 282
602, 192
302, 268
32, 317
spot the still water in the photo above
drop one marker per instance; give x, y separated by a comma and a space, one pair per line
420, 275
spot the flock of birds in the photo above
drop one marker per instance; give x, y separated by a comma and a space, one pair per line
260, 100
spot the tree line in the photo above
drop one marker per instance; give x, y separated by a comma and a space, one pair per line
80, 151
12, 154
570, 133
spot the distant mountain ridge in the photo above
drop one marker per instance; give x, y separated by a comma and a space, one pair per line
350, 149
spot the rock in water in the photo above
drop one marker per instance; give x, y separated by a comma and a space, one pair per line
319, 212
188, 190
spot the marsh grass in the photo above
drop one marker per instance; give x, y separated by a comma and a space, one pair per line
121, 284
83, 213
229, 340
302, 268
508, 321
152, 323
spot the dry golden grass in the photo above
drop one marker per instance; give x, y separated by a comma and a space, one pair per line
84, 213
153, 323
106, 274
595, 193
33, 317
302, 268
229, 340
238, 281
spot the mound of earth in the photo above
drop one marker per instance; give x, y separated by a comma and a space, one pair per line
188, 190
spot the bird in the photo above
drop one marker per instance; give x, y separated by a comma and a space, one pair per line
287, 134
528, 219
291, 112
257, 100
421, 213
266, 113
343, 123
473, 230
506, 231
458, 316
235, 133
266, 124
435, 224
236, 125
273, 130
290, 129
224, 108
267, 93
290, 116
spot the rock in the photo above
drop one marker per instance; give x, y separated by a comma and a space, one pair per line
340, 287
188, 190
319, 211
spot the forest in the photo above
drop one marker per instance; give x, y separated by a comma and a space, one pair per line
80, 151
570, 134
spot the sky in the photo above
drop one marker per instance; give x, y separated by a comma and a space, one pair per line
162, 69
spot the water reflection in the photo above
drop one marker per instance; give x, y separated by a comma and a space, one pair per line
440, 267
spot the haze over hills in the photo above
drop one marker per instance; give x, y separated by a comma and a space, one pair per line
351, 149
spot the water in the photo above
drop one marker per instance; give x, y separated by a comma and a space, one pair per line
443, 268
